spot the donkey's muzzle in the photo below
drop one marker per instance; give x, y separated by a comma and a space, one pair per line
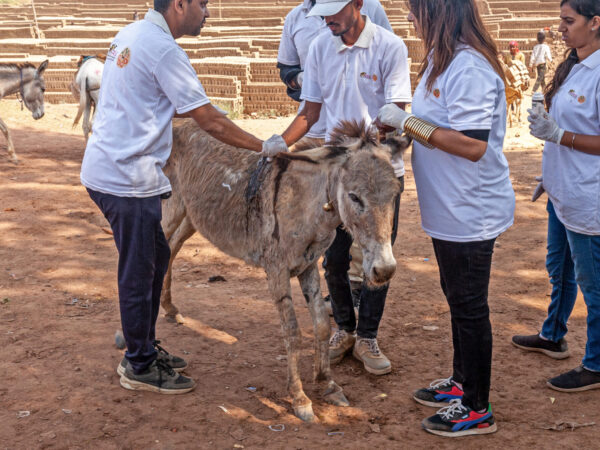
381, 274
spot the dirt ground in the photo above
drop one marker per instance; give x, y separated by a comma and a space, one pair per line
59, 314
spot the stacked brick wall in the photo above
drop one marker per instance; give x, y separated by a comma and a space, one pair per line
235, 56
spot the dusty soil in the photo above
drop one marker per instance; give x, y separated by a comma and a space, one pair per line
59, 313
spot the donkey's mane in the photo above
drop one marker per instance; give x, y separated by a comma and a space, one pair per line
348, 132
349, 129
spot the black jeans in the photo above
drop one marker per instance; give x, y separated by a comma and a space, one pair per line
143, 261
464, 276
372, 301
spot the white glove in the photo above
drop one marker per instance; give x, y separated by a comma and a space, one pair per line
275, 144
393, 116
300, 79
543, 126
539, 189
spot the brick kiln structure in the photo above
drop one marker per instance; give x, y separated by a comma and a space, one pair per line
235, 56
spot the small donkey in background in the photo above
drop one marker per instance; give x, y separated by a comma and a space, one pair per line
27, 82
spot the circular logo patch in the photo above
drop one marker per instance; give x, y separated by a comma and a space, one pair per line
436, 93
124, 58
581, 99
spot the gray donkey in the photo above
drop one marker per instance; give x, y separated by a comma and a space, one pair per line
26, 81
287, 223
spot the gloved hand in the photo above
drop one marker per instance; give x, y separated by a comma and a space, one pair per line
539, 189
543, 126
393, 116
300, 79
275, 144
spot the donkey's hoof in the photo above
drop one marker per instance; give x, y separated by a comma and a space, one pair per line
175, 318
335, 395
305, 413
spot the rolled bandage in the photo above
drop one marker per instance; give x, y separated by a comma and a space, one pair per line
420, 130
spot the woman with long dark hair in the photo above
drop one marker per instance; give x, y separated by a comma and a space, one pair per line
458, 122
571, 173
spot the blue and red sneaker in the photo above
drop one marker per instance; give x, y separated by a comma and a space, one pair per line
457, 420
439, 393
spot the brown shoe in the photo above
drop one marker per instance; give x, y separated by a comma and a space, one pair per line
367, 351
340, 343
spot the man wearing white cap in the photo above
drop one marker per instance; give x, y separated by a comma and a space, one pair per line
350, 75
299, 30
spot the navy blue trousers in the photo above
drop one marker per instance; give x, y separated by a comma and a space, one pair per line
143, 261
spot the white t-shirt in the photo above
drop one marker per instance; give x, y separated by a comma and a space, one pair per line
298, 33
147, 77
461, 200
353, 83
571, 177
540, 54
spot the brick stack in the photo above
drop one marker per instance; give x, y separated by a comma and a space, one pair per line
235, 56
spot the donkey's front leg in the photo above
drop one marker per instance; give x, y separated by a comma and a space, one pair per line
279, 285
9, 143
309, 281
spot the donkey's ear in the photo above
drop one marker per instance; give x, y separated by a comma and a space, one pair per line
43, 66
398, 144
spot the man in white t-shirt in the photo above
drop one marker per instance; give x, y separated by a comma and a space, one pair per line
299, 31
350, 75
148, 79
540, 57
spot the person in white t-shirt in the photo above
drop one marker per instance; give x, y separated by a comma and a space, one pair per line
350, 73
540, 57
466, 198
571, 177
299, 31
148, 79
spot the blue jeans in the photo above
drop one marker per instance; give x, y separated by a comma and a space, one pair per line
583, 267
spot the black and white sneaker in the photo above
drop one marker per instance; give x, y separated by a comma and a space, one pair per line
534, 343
175, 362
457, 420
576, 380
158, 377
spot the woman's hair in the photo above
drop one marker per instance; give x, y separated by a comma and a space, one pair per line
541, 37
588, 9
446, 23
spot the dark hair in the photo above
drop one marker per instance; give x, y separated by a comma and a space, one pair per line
446, 23
541, 36
161, 6
588, 9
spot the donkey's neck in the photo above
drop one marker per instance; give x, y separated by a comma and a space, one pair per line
10, 80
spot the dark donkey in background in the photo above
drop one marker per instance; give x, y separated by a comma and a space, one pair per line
287, 224
27, 82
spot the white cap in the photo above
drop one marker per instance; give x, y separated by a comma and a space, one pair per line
327, 7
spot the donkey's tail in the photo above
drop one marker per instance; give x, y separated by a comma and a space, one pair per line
82, 100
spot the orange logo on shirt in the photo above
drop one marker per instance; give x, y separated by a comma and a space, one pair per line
436, 93
368, 77
124, 58
581, 99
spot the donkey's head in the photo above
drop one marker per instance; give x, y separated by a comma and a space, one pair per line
362, 190
366, 193
33, 88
